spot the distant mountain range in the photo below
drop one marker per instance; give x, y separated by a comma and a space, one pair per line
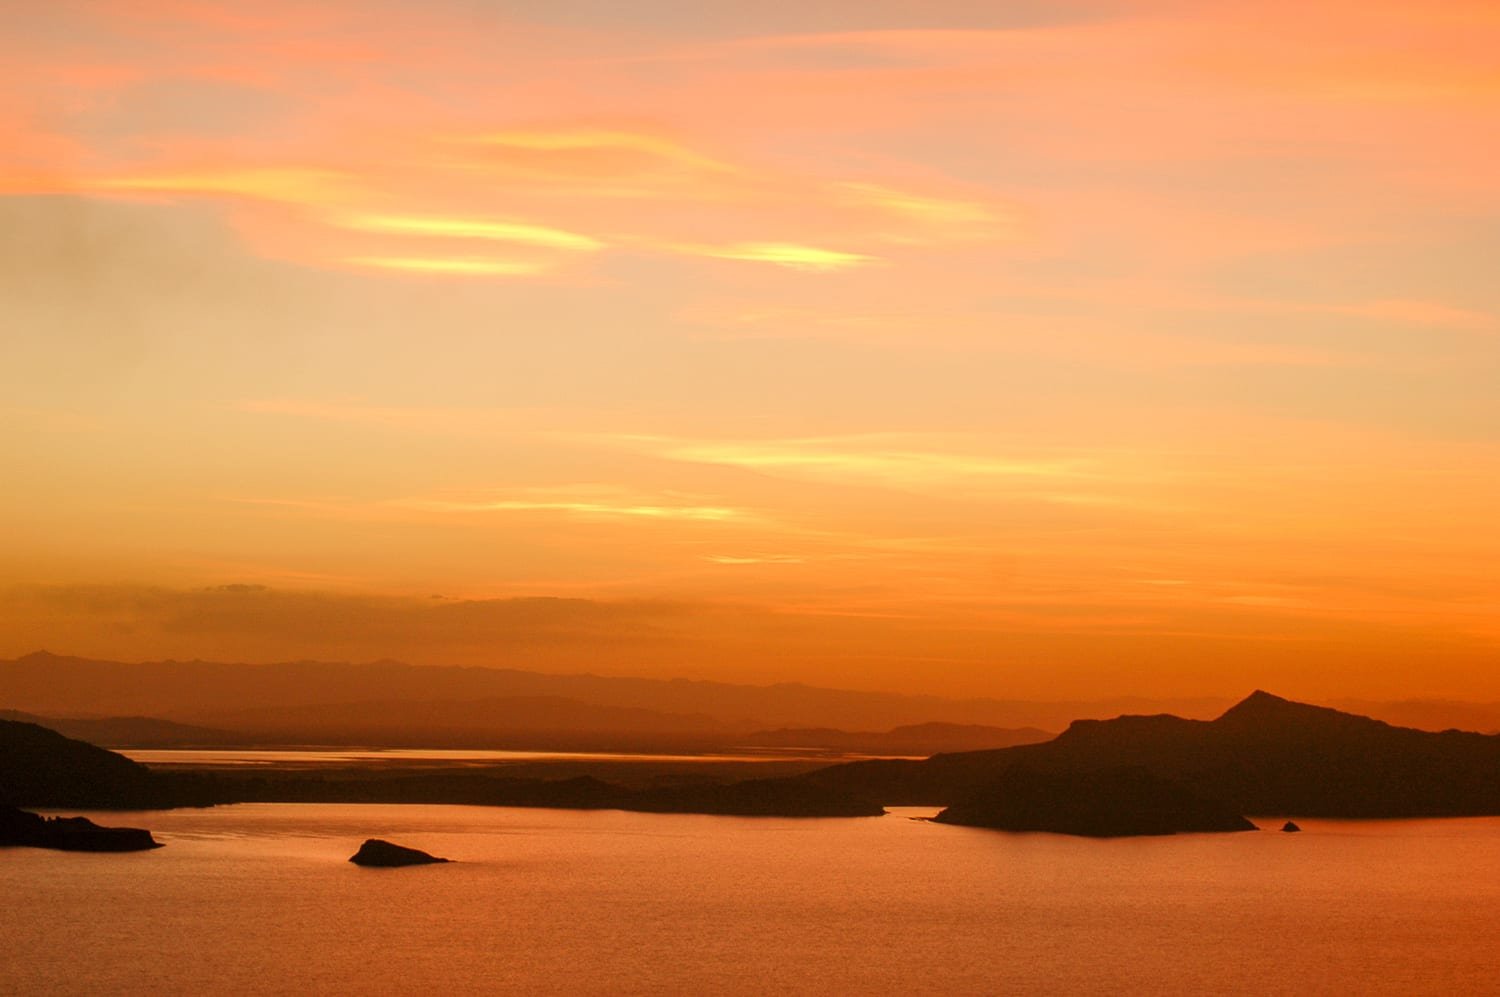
209, 704
521, 723
208, 693
910, 739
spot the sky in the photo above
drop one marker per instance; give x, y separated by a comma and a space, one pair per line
1021, 349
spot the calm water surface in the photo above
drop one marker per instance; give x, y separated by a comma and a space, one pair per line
259, 899
436, 757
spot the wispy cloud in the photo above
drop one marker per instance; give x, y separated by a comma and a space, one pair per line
291, 185
923, 217
493, 230
1406, 311
782, 254
585, 501
689, 513
903, 461
460, 266
596, 150
738, 559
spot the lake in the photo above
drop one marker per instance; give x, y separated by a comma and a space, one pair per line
282, 758
259, 899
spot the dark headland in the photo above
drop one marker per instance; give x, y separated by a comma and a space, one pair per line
70, 834
1103, 803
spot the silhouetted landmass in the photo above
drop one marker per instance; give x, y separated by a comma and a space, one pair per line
127, 732
1266, 755
1102, 803
1427, 714
910, 739
240, 697
42, 768
1290, 827
70, 834
383, 854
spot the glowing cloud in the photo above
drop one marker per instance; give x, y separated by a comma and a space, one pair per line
783, 254
472, 228
461, 267
871, 459
697, 513
938, 217
759, 559
294, 186
590, 509
583, 142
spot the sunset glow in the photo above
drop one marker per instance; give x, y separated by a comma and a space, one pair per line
1034, 350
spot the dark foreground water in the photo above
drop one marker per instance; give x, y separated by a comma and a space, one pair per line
259, 899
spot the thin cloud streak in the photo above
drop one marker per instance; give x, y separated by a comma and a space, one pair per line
688, 513
459, 266
473, 228
781, 254
900, 460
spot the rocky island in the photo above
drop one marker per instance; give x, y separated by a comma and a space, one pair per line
384, 855
70, 834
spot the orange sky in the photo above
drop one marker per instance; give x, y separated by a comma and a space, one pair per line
1037, 349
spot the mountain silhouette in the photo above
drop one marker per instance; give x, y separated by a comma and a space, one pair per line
1265, 755
133, 732
908, 739
232, 695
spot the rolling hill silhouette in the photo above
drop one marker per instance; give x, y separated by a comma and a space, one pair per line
42, 768
1265, 755
123, 732
908, 739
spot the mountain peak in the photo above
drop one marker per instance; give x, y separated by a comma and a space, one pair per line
41, 657
1263, 705
1261, 708
1261, 700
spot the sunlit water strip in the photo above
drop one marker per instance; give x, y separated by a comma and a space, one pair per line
336, 757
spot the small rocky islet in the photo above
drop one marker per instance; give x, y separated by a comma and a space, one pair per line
381, 854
